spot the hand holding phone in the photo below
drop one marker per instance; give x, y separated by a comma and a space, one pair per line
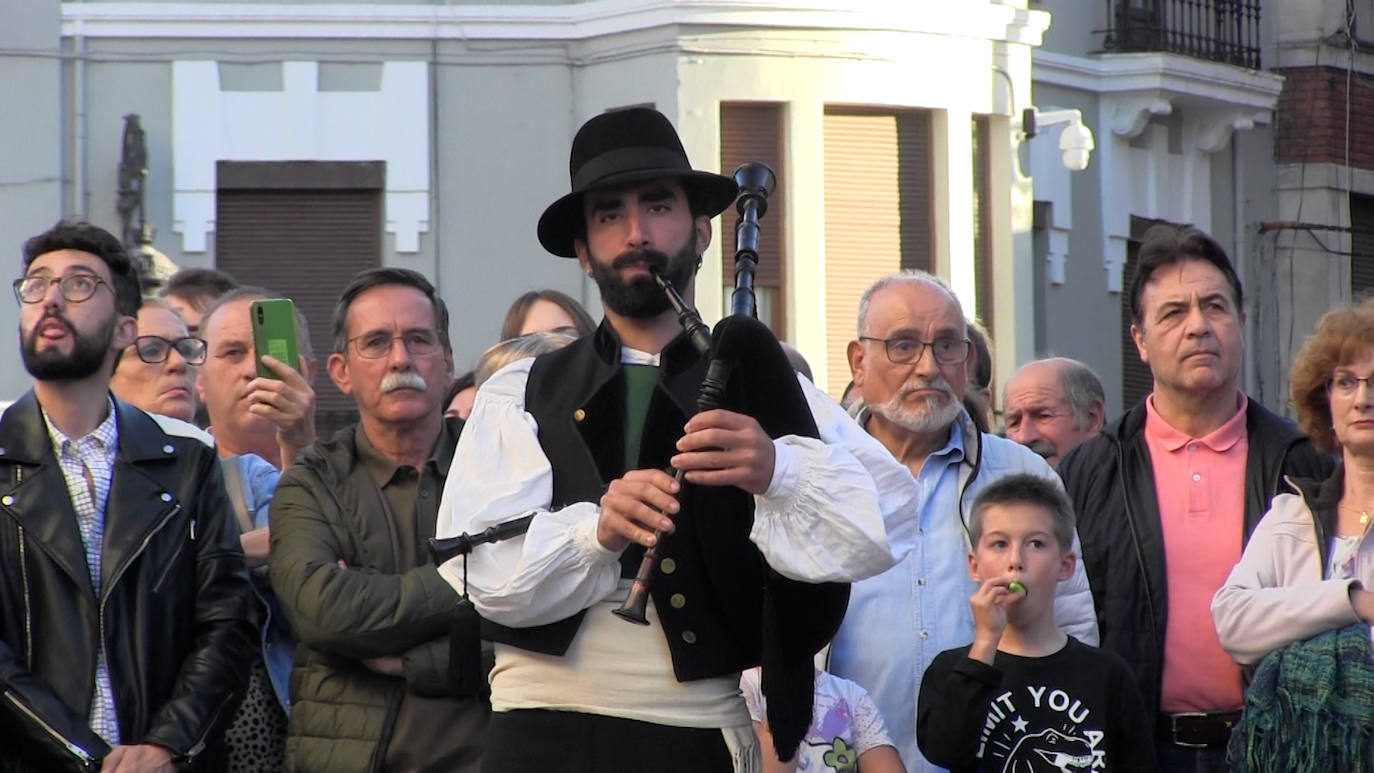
283, 398
274, 333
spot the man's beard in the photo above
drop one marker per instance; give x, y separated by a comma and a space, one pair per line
641, 297
928, 414
86, 359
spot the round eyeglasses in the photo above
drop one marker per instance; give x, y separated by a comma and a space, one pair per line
74, 287
155, 349
377, 344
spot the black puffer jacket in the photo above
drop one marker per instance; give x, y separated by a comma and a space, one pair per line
175, 611
1111, 481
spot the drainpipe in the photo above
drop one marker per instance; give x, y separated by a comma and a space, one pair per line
1243, 265
80, 194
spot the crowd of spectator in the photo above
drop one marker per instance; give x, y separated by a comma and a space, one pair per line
917, 577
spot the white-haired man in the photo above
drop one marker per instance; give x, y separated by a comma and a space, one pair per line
911, 363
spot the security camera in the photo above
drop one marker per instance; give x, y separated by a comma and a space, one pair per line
1075, 141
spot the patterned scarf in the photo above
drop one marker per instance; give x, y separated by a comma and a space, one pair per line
1310, 707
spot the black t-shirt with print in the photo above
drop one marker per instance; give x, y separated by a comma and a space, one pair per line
1075, 710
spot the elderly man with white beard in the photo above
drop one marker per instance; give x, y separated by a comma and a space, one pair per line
910, 364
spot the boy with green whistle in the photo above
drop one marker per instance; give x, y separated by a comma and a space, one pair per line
1024, 693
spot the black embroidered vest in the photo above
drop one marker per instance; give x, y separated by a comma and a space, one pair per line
710, 588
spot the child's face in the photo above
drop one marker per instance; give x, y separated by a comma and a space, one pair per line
1018, 543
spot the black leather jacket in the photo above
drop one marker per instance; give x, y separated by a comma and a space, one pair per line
175, 611
1111, 482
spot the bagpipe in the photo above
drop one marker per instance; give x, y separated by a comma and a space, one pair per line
747, 372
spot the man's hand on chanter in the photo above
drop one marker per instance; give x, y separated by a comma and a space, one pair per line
634, 506
724, 448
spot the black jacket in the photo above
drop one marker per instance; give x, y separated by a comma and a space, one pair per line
1111, 482
175, 611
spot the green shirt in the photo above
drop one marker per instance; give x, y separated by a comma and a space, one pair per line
640, 381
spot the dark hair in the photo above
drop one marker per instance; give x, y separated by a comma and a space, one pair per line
1025, 489
378, 277
457, 385
198, 286
977, 411
1166, 245
256, 293
515, 316
982, 353
92, 239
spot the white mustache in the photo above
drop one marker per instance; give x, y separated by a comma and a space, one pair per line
917, 384
406, 379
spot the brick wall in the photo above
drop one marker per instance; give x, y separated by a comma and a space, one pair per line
1310, 125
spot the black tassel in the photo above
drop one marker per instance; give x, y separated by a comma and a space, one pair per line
466, 676
788, 679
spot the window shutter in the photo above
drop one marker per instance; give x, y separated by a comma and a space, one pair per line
877, 213
982, 222
752, 131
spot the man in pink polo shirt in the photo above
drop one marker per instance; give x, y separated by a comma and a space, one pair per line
1167, 495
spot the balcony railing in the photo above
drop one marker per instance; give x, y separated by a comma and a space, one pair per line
1225, 31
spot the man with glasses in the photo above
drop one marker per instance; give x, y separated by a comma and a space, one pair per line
124, 606
911, 365
349, 560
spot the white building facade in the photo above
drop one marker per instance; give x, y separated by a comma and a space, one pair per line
441, 131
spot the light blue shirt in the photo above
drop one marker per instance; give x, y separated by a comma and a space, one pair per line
900, 620
278, 645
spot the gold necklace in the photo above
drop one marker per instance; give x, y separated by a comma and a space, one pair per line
1364, 513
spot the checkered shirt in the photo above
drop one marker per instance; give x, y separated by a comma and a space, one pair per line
94, 452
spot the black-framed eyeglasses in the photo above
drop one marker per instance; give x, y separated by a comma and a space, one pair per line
74, 287
155, 349
903, 350
378, 344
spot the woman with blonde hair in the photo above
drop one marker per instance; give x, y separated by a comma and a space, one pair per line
515, 349
1301, 584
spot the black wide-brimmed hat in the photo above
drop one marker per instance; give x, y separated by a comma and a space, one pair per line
622, 147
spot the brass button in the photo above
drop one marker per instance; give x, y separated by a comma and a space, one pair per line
667, 566
7, 501
579, 415
689, 636
678, 601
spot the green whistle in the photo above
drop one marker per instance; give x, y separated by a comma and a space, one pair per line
1016, 586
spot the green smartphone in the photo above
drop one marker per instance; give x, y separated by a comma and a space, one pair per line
274, 333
